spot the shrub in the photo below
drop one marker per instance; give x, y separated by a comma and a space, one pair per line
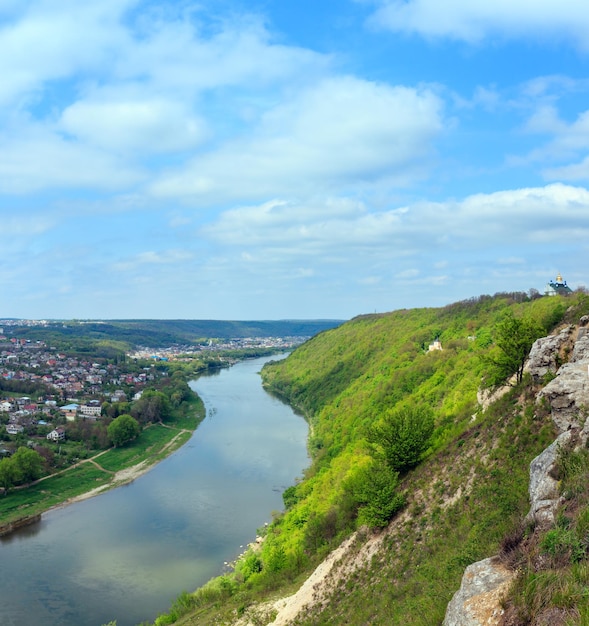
402, 436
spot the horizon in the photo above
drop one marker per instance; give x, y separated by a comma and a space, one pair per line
263, 160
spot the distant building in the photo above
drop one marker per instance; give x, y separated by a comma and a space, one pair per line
557, 287
57, 434
91, 410
436, 345
70, 411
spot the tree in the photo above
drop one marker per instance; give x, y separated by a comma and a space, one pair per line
153, 406
28, 465
7, 474
374, 488
402, 436
514, 337
123, 429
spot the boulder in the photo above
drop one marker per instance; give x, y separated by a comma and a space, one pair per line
545, 352
568, 393
544, 496
478, 601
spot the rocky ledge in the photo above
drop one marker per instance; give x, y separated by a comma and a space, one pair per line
478, 601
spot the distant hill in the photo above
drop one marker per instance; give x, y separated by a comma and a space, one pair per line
158, 333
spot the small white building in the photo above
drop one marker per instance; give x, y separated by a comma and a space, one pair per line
436, 345
57, 434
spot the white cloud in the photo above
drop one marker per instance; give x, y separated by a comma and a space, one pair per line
569, 140
339, 132
475, 20
282, 232
47, 42
92, 93
151, 125
34, 158
153, 258
572, 172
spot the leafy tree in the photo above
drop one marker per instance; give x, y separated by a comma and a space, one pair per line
7, 474
153, 406
290, 497
28, 465
374, 488
123, 429
514, 337
402, 436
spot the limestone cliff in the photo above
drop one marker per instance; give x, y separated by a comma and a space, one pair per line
478, 601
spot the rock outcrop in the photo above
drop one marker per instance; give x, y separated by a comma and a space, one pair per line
568, 393
478, 601
544, 496
546, 354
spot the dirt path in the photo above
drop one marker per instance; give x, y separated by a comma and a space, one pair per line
122, 477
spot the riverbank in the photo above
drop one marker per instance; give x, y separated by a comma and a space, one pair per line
104, 471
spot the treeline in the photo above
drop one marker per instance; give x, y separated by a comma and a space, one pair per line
113, 337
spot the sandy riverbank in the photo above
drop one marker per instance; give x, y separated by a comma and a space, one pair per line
120, 478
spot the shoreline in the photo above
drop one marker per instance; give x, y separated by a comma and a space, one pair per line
120, 478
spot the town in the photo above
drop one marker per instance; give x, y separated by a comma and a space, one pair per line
48, 395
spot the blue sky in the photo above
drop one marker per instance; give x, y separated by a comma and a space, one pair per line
272, 159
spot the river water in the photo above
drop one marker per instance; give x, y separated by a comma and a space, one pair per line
128, 553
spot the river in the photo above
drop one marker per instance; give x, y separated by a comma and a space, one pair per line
128, 553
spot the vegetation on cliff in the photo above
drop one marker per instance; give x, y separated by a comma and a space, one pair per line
458, 487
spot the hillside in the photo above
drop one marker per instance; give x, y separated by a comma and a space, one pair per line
468, 492
125, 334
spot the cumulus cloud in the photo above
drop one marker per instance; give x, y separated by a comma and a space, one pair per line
475, 20
569, 141
495, 223
100, 90
34, 157
340, 131
152, 125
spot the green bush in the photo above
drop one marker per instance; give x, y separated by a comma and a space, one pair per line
402, 436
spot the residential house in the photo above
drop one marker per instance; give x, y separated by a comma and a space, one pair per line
57, 434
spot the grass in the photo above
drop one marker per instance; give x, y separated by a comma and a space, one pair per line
421, 561
147, 447
553, 562
153, 444
51, 492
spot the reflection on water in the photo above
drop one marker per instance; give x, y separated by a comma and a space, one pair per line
127, 554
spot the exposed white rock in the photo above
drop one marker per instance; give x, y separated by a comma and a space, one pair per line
544, 355
568, 393
544, 496
478, 601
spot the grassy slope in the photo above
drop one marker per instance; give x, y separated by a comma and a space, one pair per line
343, 380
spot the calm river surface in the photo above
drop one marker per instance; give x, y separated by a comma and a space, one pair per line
127, 554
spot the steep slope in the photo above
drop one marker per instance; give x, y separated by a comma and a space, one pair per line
468, 493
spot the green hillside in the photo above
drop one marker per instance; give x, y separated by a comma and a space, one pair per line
468, 489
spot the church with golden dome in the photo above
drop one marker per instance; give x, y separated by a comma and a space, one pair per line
557, 287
